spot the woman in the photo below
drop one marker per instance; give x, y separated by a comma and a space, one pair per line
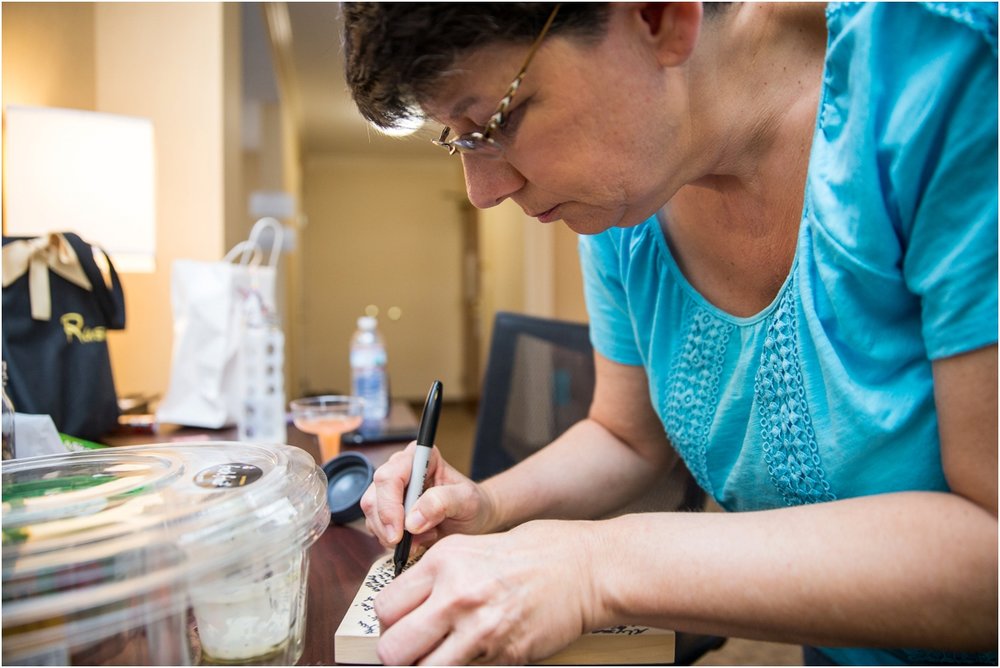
789, 220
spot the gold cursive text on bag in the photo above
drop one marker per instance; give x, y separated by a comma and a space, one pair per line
73, 326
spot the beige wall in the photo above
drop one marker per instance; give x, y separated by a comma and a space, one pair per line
526, 267
502, 262
382, 233
568, 281
166, 62
399, 206
48, 54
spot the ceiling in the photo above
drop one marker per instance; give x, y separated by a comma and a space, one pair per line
302, 39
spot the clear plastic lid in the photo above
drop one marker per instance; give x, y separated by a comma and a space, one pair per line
114, 529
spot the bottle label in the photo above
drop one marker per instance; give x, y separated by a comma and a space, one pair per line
367, 358
370, 385
371, 382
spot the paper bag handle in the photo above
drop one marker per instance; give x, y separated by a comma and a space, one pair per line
276, 242
250, 252
247, 251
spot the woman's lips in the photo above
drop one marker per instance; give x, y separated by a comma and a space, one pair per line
549, 215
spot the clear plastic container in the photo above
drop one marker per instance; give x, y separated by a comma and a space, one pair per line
173, 554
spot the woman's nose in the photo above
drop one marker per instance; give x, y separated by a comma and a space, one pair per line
489, 181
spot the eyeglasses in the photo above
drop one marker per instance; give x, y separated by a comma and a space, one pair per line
484, 143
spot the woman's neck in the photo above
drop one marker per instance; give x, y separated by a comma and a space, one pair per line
754, 90
754, 86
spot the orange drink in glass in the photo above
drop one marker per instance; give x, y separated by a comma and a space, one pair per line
328, 417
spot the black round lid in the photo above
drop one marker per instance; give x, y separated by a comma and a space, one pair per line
348, 475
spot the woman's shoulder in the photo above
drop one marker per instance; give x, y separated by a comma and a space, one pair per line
978, 17
900, 69
910, 97
939, 20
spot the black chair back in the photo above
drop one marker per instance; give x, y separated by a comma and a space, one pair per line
539, 382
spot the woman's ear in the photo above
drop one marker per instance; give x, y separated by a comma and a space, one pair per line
671, 27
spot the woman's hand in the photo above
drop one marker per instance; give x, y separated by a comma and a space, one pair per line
451, 503
505, 598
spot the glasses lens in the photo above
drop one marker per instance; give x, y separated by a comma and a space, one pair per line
473, 143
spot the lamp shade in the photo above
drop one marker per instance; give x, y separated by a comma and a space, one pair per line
85, 172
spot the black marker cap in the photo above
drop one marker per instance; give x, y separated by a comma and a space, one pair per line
432, 411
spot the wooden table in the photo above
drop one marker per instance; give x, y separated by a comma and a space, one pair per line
341, 557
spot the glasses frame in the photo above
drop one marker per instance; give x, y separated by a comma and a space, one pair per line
483, 142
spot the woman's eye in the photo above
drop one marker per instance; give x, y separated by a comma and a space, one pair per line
511, 121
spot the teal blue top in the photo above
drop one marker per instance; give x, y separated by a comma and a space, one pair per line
827, 393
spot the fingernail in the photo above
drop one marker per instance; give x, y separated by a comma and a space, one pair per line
416, 522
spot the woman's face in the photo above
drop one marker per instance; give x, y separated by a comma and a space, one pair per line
595, 135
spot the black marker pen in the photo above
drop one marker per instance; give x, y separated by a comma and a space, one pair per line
418, 474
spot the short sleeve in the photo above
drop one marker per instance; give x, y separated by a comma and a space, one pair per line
940, 153
611, 330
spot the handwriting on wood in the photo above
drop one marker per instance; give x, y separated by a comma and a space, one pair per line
378, 577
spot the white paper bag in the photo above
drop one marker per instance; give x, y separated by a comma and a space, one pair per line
207, 300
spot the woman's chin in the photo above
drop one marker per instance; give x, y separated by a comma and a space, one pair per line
598, 223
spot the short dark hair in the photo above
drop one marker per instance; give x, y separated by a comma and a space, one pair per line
394, 52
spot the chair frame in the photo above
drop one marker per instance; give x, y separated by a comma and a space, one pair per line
496, 386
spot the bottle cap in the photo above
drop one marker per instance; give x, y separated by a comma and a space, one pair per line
367, 322
348, 476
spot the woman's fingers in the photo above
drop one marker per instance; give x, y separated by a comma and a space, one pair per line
450, 497
411, 626
382, 502
459, 648
435, 506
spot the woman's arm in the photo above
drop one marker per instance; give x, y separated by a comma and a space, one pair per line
915, 569
965, 392
595, 467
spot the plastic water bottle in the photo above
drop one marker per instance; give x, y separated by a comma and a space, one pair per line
261, 358
369, 379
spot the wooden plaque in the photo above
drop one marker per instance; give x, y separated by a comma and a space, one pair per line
358, 634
